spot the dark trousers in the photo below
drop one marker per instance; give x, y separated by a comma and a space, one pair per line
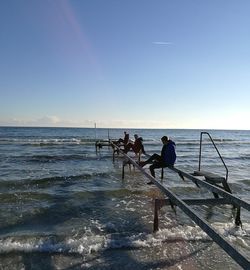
157, 163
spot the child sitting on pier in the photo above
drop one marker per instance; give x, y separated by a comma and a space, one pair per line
137, 146
123, 141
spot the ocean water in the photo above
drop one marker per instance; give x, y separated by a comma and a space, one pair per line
65, 206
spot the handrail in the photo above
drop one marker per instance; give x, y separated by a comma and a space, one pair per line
207, 228
203, 132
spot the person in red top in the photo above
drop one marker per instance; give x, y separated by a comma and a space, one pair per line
125, 140
137, 146
121, 142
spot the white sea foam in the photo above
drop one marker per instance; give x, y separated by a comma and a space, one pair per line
91, 242
59, 174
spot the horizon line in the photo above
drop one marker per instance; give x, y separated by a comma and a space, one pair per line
77, 127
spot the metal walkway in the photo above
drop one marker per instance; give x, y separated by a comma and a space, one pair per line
227, 198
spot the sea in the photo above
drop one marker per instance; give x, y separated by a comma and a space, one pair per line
64, 204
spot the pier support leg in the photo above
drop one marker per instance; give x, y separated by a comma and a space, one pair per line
123, 168
237, 218
156, 219
216, 195
181, 176
159, 203
226, 186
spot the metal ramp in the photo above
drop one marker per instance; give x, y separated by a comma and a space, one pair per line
210, 182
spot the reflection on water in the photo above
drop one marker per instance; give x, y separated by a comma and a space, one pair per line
64, 206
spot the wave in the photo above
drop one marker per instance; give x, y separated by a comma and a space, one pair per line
51, 158
36, 141
240, 157
90, 242
216, 141
52, 180
46, 141
247, 182
86, 155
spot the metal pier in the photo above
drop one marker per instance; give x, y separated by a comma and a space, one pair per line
101, 143
211, 183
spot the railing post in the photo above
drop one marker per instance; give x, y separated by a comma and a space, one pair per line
123, 168
156, 218
200, 152
237, 218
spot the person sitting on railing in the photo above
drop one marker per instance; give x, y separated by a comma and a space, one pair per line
167, 157
137, 146
123, 141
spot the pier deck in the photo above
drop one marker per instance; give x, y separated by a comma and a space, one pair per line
183, 204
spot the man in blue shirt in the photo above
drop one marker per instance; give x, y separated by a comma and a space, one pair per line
167, 157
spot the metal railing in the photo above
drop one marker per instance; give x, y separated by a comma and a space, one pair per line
211, 139
183, 205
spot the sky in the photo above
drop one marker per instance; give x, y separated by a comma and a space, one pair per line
127, 64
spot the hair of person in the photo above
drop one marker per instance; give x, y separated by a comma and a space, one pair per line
164, 138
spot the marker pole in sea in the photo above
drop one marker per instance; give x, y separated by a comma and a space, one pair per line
95, 131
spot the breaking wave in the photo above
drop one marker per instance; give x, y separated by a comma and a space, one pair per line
90, 242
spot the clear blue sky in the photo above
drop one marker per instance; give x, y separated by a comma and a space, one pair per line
133, 63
